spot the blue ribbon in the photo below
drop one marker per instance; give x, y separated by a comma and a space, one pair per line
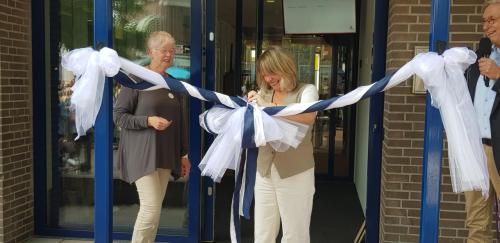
236, 201
252, 151
176, 85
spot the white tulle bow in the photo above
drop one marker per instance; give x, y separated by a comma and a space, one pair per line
443, 77
90, 68
225, 151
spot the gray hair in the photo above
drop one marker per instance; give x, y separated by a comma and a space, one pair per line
159, 38
489, 2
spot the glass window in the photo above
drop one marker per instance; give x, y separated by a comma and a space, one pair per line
70, 183
249, 38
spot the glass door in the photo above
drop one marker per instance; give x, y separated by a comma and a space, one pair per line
66, 204
333, 133
341, 128
133, 21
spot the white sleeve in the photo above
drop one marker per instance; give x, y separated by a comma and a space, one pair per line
309, 94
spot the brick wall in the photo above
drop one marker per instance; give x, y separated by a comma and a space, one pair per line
404, 124
16, 163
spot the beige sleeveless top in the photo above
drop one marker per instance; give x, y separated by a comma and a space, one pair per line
294, 160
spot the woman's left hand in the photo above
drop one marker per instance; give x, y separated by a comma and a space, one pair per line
186, 166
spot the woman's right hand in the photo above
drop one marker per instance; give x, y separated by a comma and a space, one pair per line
158, 123
253, 96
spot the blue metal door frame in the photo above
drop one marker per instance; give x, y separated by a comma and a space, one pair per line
195, 132
39, 122
433, 134
376, 126
103, 133
207, 228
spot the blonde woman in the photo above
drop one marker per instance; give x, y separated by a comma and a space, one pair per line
153, 139
284, 187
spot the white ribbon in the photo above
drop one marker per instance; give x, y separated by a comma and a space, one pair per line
260, 138
90, 69
442, 75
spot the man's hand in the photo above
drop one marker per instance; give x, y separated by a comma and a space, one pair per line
186, 166
489, 68
158, 123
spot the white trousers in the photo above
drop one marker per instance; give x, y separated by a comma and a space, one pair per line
151, 189
289, 200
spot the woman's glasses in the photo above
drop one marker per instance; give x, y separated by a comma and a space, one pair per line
165, 51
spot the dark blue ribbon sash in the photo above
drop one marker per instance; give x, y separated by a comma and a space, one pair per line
248, 166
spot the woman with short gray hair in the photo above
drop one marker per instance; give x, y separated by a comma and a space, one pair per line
153, 139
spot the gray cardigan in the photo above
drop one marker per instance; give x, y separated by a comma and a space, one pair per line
143, 149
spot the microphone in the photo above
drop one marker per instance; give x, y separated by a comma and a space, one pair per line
484, 51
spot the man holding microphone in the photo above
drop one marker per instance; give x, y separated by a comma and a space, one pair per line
482, 79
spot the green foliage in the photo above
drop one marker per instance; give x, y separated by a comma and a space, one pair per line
131, 27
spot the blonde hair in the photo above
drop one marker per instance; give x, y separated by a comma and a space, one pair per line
276, 60
159, 38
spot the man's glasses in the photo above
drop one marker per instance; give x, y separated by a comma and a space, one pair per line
490, 20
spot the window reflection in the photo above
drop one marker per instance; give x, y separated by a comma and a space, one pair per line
69, 162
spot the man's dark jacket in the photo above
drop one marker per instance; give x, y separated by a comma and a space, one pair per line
472, 74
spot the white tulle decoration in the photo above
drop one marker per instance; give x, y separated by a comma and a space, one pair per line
90, 68
225, 151
443, 77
